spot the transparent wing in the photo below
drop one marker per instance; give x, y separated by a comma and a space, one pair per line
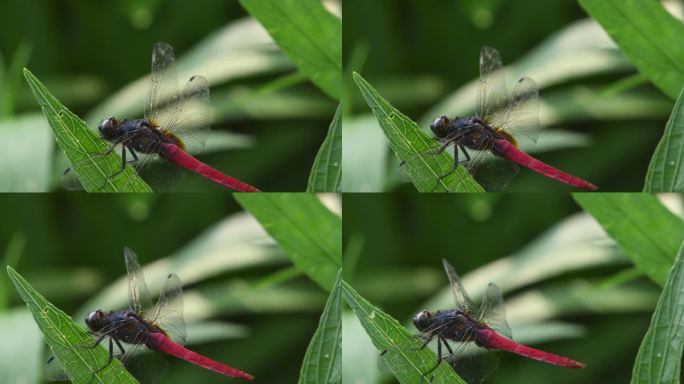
492, 172
168, 313
520, 118
163, 81
188, 116
492, 311
139, 299
461, 297
472, 363
492, 93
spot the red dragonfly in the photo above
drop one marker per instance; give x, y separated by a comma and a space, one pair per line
175, 124
473, 329
160, 327
501, 124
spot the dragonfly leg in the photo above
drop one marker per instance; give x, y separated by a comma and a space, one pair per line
123, 163
465, 153
109, 361
96, 343
121, 348
439, 358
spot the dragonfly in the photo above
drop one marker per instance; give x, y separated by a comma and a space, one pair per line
490, 141
175, 125
159, 327
465, 333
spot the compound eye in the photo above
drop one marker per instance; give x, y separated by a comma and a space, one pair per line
106, 124
422, 319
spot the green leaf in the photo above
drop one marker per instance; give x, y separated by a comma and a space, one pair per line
410, 144
666, 171
67, 340
83, 148
308, 34
323, 362
648, 35
646, 231
660, 356
306, 230
407, 364
326, 172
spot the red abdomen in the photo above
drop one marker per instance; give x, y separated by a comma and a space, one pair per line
490, 339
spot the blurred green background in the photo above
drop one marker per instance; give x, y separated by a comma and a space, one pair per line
601, 120
568, 288
268, 121
245, 304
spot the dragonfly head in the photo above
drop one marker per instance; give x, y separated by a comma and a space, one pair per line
108, 127
440, 126
95, 320
423, 320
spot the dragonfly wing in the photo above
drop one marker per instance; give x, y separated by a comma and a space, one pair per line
461, 297
139, 299
492, 93
188, 118
493, 313
492, 172
163, 81
472, 363
520, 118
168, 313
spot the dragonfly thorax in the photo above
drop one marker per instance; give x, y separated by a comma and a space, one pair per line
452, 324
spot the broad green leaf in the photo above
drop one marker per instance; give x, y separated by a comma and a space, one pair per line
83, 148
323, 359
308, 34
647, 232
410, 144
666, 170
305, 229
67, 340
326, 172
660, 356
648, 35
408, 363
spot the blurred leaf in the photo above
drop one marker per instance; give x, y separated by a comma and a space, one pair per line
25, 165
322, 362
308, 34
20, 364
243, 102
581, 49
648, 35
66, 339
306, 230
660, 356
647, 232
364, 154
326, 172
666, 170
359, 357
239, 49
10, 78
83, 148
576, 243
408, 365
13, 253
410, 143
235, 242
